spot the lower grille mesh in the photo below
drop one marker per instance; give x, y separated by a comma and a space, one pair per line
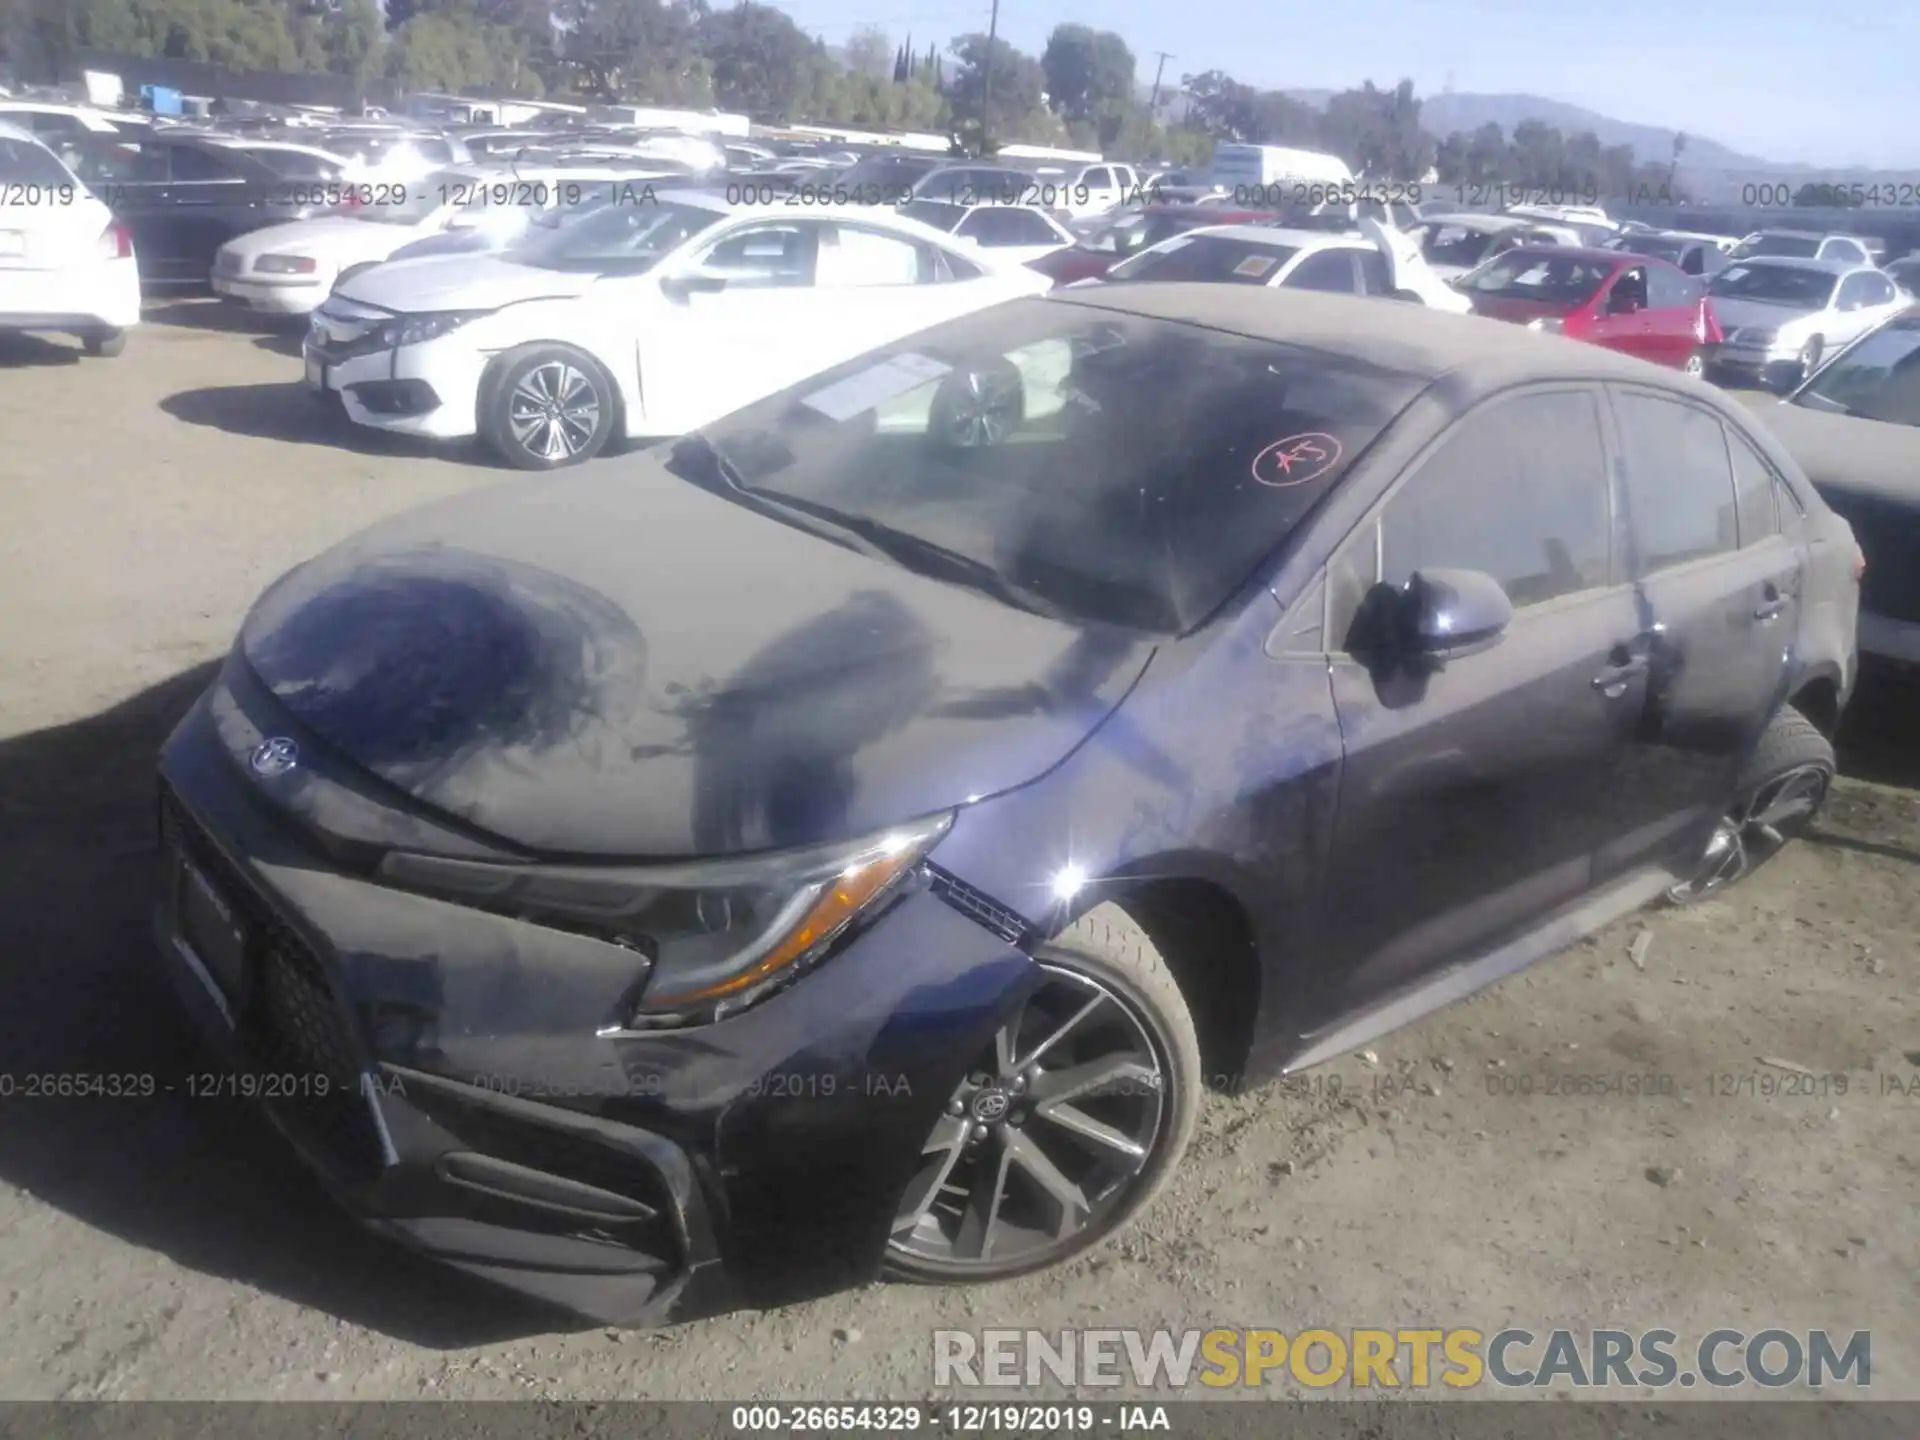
295, 1039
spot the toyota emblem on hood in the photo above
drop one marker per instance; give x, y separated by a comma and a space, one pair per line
275, 757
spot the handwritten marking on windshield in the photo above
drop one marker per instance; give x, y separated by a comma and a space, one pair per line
1296, 459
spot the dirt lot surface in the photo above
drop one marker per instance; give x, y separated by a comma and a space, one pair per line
167, 1248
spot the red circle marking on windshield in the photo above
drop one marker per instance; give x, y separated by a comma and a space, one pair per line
1296, 460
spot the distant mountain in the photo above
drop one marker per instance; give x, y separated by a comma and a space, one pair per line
1446, 114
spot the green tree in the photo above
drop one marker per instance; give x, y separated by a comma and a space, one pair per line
870, 52
1222, 107
454, 49
1017, 109
762, 63
1090, 80
1377, 132
634, 49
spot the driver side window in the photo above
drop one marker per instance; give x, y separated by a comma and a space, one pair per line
1517, 490
775, 255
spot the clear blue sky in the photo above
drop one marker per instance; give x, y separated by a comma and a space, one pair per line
1787, 80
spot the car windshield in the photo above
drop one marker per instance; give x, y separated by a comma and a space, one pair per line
1877, 379
1102, 469
936, 213
292, 164
1775, 285
1212, 258
1540, 275
1456, 245
22, 162
629, 239
1803, 247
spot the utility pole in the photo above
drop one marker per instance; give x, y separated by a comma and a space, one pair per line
1153, 101
986, 75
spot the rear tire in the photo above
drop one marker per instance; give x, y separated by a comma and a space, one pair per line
544, 407
104, 343
1138, 1033
1780, 791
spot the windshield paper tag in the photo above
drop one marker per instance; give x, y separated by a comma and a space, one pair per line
874, 386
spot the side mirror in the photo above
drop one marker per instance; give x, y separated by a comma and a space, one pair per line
694, 282
1447, 614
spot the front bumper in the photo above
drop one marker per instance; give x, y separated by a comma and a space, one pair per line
1764, 366
285, 295
444, 1079
86, 299
365, 381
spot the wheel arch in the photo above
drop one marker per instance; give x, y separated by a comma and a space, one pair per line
1207, 938
1816, 695
498, 365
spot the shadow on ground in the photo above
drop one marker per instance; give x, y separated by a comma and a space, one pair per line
289, 411
202, 1181
18, 351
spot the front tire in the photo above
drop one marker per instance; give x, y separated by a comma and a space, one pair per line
1780, 790
1071, 1122
104, 343
1696, 365
544, 407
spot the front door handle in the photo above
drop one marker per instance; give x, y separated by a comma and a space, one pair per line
1770, 608
1612, 682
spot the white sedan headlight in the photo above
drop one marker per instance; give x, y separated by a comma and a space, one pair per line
285, 265
1766, 335
419, 329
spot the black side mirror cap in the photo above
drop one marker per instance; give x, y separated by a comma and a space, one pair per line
1453, 613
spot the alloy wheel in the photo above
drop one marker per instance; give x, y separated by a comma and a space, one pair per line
1045, 1140
1754, 830
982, 409
1696, 365
553, 412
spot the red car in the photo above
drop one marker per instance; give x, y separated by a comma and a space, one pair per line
1130, 234
1632, 303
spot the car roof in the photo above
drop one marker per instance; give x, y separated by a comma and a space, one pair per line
1410, 340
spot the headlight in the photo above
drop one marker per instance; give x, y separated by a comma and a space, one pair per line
1759, 335
709, 938
284, 265
418, 329
1547, 324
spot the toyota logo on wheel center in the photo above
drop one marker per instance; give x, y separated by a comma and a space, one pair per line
991, 1105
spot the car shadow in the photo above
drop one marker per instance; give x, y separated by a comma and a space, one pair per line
293, 413
18, 351
203, 1181
279, 334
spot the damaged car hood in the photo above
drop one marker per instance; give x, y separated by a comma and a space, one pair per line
625, 664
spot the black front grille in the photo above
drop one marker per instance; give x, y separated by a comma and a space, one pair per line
978, 906
1889, 536
295, 1040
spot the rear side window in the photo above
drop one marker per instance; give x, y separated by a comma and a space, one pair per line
190, 164
1679, 486
1668, 289
1756, 493
1519, 491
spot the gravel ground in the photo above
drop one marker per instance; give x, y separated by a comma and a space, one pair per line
166, 1248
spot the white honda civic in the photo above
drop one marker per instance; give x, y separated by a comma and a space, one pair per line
636, 321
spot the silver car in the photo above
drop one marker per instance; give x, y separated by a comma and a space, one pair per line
1805, 245
1779, 316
